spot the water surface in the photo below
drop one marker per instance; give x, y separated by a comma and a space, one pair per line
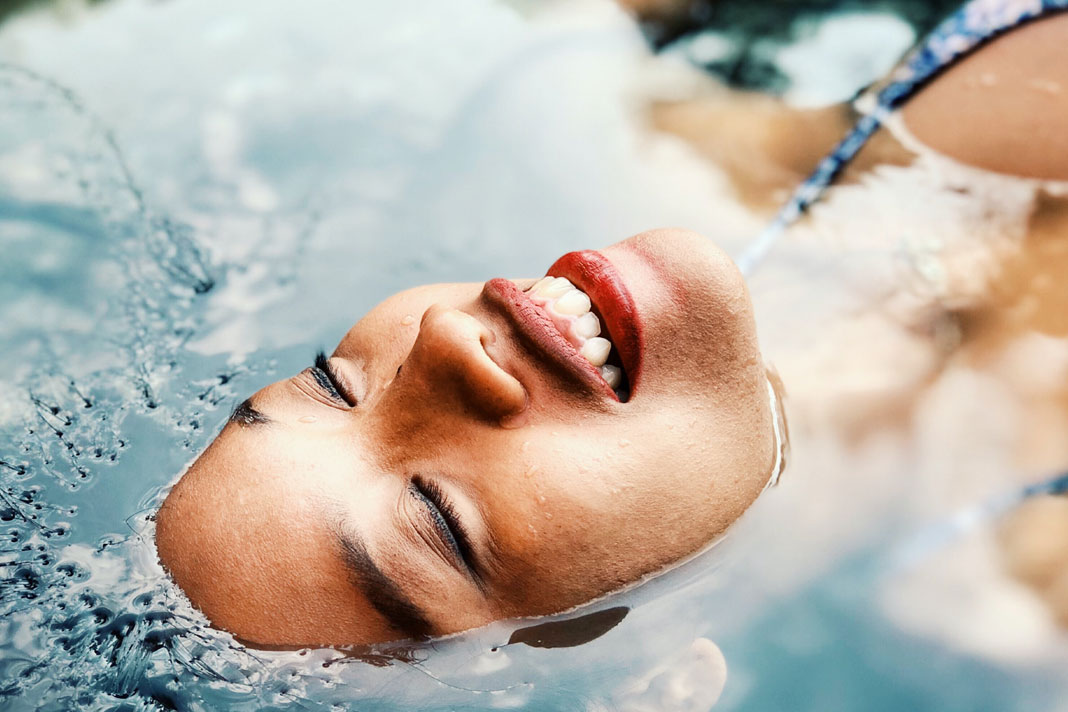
195, 196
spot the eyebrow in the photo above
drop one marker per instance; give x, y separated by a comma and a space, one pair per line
385, 595
245, 414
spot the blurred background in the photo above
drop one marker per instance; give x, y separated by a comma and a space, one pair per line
196, 195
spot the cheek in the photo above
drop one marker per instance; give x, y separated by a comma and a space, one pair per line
657, 464
592, 515
583, 475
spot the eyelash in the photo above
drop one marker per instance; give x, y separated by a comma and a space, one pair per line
433, 494
327, 379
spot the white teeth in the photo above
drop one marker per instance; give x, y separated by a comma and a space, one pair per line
572, 303
558, 286
612, 375
570, 310
541, 284
596, 350
586, 326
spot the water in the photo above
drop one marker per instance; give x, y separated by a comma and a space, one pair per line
183, 220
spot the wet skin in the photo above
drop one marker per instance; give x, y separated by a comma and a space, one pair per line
1005, 107
481, 474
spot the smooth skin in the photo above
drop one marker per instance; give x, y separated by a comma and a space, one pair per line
1005, 107
564, 494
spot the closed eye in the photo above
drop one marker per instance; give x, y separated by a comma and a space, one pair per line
447, 522
330, 381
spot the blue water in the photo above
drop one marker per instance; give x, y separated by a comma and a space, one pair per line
194, 196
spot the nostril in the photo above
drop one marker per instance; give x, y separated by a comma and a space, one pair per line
450, 355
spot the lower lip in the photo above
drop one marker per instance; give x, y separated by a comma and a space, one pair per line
535, 327
591, 272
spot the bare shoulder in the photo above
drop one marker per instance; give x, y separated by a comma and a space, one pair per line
1004, 108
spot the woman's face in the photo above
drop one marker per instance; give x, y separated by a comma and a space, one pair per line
459, 459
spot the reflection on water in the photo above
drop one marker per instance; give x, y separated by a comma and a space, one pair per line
181, 225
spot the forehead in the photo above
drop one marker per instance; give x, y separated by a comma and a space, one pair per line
254, 548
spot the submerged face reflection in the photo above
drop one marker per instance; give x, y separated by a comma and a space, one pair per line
457, 461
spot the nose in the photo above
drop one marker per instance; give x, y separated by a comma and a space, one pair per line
448, 364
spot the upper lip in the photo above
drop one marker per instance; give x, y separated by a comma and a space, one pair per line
592, 273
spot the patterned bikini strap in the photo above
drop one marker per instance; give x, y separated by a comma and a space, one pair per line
973, 25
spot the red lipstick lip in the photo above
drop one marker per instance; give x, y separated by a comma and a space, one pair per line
537, 330
595, 275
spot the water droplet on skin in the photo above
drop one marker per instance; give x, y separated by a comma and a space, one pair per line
548, 515
1046, 86
408, 320
541, 499
307, 419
